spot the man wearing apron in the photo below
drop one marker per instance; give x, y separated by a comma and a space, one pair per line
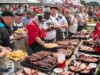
35, 36
96, 35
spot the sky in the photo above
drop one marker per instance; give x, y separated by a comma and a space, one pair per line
92, 0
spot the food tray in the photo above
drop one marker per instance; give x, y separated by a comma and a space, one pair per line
66, 73
55, 48
93, 53
90, 62
80, 38
92, 72
41, 69
87, 43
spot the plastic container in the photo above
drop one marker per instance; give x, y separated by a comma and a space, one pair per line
58, 71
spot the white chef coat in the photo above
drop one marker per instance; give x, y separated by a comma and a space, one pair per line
82, 18
73, 28
51, 34
61, 21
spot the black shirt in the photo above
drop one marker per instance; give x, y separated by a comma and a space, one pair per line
5, 33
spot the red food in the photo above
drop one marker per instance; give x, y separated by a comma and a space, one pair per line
88, 58
67, 73
85, 71
87, 48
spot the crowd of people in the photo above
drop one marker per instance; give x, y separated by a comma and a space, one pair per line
44, 25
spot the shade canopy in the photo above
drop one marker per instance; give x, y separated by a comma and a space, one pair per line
53, 1
19, 1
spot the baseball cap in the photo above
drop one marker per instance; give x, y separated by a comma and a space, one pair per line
7, 13
54, 7
98, 15
30, 11
18, 14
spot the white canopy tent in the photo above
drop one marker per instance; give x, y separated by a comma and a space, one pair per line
33, 1
76, 2
53, 1
19, 1
68, 1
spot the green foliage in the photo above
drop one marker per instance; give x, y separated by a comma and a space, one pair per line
92, 3
83, 2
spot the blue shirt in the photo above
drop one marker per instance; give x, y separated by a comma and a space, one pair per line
1, 25
0, 13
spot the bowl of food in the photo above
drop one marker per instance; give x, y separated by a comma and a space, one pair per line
51, 45
58, 70
20, 33
17, 55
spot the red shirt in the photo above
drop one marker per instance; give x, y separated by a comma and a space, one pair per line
33, 32
96, 35
96, 32
98, 50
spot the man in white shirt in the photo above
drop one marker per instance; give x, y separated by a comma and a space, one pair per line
50, 26
73, 25
62, 22
81, 19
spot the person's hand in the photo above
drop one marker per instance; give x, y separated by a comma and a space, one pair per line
7, 50
1, 52
18, 36
53, 27
4, 51
44, 45
25, 30
49, 29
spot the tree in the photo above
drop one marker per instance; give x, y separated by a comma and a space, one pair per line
83, 2
93, 3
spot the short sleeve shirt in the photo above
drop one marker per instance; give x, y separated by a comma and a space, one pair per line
32, 32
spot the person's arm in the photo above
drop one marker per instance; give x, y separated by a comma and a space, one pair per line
33, 32
86, 18
56, 24
65, 25
4, 51
39, 41
46, 27
2, 54
72, 20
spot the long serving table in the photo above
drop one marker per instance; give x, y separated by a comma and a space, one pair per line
67, 61
73, 56
70, 60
